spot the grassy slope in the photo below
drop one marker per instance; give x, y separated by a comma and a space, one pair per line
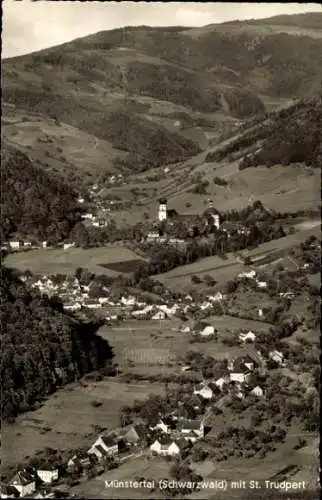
224, 270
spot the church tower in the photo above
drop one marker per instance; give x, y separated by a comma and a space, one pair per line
214, 214
162, 209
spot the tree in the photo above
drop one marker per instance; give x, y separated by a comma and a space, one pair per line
80, 235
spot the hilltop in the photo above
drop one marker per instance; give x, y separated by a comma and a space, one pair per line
140, 97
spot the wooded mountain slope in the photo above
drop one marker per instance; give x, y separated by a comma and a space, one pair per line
41, 346
34, 203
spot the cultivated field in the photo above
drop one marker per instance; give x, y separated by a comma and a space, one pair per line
67, 419
154, 347
51, 261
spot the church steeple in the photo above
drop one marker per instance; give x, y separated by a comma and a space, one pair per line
162, 209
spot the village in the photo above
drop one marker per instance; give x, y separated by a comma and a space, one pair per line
172, 435
176, 432
206, 388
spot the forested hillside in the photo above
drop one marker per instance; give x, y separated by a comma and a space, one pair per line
34, 203
291, 135
42, 347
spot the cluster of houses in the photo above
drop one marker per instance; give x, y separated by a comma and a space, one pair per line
95, 220
76, 296
236, 377
31, 482
251, 275
23, 245
173, 434
19, 244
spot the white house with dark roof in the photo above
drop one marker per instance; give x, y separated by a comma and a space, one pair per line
136, 433
257, 391
204, 391
250, 336
191, 427
48, 474
240, 378
68, 245
207, 331
220, 382
277, 356
165, 447
24, 482
161, 425
159, 315
104, 446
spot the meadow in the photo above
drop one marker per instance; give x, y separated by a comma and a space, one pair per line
68, 418
143, 467
52, 261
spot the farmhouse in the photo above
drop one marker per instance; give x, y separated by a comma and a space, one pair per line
191, 427
216, 298
249, 274
128, 301
153, 236
15, 244
48, 474
72, 306
135, 434
104, 446
164, 424
233, 227
24, 482
239, 377
204, 391
205, 305
78, 460
143, 312
92, 304
231, 364
159, 315
165, 447
244, 364
208, 330
250, 337
68, 245
257, 391
277, 356
221, 382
